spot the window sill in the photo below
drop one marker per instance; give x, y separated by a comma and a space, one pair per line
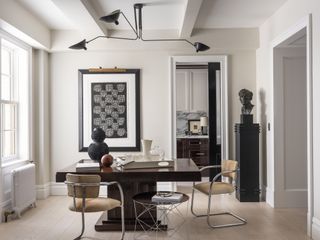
13, 162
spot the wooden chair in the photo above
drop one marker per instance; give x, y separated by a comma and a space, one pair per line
229, 171
85, 192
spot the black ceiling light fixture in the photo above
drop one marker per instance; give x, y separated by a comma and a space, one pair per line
113, 18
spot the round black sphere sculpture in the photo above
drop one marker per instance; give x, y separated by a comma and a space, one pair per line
98, 135
98, 148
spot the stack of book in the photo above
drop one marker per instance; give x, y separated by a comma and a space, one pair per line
88, 167
167, 198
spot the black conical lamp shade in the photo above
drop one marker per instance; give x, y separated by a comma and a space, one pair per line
112, 17
200, 47
79, 45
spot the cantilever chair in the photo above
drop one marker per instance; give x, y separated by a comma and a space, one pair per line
85, 192
229, 171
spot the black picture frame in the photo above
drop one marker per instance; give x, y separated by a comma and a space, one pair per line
131, 79
194, 126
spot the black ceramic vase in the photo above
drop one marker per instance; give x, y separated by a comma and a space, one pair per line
98, 148
98, 135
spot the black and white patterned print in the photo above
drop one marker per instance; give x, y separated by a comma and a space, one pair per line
109, 108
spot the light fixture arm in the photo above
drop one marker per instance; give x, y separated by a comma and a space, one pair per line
95, 38
113, 18
166, 40
135, 30
121, 38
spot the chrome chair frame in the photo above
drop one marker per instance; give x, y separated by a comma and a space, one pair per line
242, 220
84, 186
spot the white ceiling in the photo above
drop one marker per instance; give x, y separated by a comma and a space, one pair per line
48, 13
181, 15
236, 13
156, 14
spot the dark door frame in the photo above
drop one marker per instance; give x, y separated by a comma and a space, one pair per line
214, 149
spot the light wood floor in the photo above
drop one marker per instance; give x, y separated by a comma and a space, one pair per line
52, 220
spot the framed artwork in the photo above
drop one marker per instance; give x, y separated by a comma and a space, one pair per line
110, 100
194, 126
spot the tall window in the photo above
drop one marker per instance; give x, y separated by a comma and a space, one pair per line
13, 101
8, 105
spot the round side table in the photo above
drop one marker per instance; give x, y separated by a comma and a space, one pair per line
153, 216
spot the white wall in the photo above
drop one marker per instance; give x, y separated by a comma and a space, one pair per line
41, 121
155, 88
289, 14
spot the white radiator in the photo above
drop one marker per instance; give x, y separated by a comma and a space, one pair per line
23, 188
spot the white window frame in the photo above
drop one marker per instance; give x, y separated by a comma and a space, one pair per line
12, 101
25, 153
15, 129
12, 72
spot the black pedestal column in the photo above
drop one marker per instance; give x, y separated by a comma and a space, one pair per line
247, 155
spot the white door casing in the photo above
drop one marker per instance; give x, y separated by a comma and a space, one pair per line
304, 23
290, 125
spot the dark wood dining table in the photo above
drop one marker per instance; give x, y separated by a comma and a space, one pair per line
134, 181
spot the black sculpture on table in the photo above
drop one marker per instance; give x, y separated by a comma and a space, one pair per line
245, 98
98, 148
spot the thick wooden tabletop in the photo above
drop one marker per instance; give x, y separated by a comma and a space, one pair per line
183, 170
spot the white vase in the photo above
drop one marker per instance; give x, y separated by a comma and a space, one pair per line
146, 147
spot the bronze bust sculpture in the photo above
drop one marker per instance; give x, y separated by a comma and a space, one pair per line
245, 98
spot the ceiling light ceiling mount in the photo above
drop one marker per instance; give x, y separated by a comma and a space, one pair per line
137, 29
138, 5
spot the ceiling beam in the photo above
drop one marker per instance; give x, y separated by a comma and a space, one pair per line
83, 16
190, 17
95, 16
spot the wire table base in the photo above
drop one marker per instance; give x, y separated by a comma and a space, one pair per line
161, 224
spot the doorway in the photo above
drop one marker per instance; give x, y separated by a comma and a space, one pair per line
220, 74
290, 126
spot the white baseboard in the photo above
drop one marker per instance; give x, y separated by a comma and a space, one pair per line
315, 228
309, 224
270, 196
263, 193
43, 191
58, 189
